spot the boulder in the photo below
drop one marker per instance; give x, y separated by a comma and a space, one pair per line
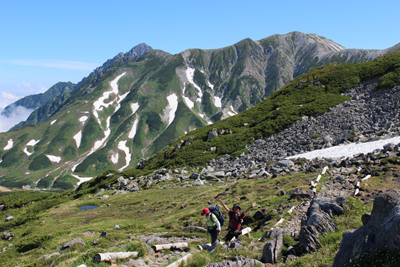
381, 230
286, 163
198, 182
194, 176
9, 218
7, 236
75, 242
309, 238
318, 218
272, 249
212, 134
298, 192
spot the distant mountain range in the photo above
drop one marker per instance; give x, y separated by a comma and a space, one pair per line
38, 100
133, 105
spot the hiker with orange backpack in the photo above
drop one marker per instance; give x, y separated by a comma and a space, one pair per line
235, 220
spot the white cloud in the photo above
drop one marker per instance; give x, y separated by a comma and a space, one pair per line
42, 88
58, 64
10, 96
19, 114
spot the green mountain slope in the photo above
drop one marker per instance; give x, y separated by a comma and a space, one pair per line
311, 93
132, 107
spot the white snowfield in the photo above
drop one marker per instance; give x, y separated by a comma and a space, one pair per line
133, 130
83, 119
170, 109
122, 146
134, 107
190, 76
217, 102
114, 158
99, 105
349, 150
78, 138
188, 102
53, 158
52, 122
232, 111
81, 179
27, 152
9, 145
32, 142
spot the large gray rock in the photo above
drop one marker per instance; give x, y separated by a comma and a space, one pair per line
9, 218
298, 192
381, 231
272, 249
212, 134
75, 242
318, 218
309, 238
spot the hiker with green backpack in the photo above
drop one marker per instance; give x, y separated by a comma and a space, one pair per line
213, 225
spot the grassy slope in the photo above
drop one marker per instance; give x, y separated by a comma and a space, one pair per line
154, 210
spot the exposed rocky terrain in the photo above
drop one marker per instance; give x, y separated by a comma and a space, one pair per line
369, 115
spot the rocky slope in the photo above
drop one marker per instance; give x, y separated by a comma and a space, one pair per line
134, 104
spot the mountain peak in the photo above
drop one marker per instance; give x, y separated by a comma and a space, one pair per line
138, 50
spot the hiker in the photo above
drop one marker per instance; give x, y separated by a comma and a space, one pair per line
213, 225
235, 220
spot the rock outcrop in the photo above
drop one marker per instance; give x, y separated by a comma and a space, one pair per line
381, 230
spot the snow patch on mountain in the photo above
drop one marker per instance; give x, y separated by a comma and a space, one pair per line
78, 138
53, 158
134, 107
217, 102
83, 119
33, 142
190, 76
114, 158
9, 145
186, 99
27, 152
52, 122
348, 150
81, 179
99, 104
122, 146
170, 109
133, 130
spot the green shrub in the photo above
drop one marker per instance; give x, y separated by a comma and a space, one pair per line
40, 162
32, 243
315, 136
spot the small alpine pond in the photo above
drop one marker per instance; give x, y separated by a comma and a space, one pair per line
88, 207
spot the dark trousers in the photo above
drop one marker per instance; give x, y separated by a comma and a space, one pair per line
231, 233
214, 235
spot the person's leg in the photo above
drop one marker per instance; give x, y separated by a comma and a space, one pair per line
228, 236
214, 236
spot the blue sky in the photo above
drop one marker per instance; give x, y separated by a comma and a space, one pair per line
43, 42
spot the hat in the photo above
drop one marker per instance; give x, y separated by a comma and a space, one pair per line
236, 206
205, 211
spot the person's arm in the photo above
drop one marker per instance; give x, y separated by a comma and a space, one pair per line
226, 208
252, 206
